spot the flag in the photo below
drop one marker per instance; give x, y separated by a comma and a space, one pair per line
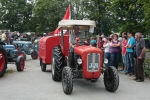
67, 16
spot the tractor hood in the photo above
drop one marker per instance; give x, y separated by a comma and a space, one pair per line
86, 49
22, 42
9, 47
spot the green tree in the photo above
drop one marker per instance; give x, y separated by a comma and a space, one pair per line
15, 14
98, 10
146, 19
48, 13
128, 15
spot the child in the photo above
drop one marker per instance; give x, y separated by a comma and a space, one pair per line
106, 47
124, 57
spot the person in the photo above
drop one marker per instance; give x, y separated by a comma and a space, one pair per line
130, 59
4, 36
114, 51
72, 41
8, 37
100, 43
93, 42
103, 37
123, 34
0, 37
120, 38
14, 36
44, 34
140, 53
124, 56
106, 47
111, 36
28, 36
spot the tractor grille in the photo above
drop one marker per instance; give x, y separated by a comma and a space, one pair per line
93, 62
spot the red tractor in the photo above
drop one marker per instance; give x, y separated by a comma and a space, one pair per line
88, 61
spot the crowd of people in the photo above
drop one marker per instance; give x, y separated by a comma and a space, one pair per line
8, 37
131, 49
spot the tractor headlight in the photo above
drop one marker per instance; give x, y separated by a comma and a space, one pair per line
105, 60
79, 61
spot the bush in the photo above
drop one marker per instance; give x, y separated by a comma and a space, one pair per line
146, 66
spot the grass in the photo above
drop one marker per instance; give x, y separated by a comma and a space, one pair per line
9, 71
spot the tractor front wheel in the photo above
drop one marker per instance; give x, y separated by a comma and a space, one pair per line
34, 54
3, 61
43, 66
111, 79
57, 64
23, 54
67, 80
20, 63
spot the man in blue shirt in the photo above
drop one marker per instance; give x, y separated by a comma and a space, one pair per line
130, 60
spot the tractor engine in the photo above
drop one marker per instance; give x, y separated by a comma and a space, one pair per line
89, 61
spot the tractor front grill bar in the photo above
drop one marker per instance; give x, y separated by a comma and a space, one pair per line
93, 62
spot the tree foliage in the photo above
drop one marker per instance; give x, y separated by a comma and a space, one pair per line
128, 14
110, 15
15, 14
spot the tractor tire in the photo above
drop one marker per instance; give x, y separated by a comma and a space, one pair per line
111, 79
20, 63
3, 61
67, 80
57, 64
23, 54
43, 66
34, 54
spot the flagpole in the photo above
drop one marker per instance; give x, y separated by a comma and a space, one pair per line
70, 10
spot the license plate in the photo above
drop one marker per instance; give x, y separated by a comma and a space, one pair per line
93, 66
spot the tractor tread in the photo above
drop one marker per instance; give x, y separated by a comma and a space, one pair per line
59, 64
115, 79
69, 80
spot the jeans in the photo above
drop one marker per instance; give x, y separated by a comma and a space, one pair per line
130, 62
124, 59
114, 59
107, 55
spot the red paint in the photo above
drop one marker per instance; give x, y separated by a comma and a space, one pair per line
22, 64
83, 51
46, 45
21, 54
2, 61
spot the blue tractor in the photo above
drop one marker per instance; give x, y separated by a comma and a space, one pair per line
9, 55
26, 47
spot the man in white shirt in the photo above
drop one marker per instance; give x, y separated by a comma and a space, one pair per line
72, 41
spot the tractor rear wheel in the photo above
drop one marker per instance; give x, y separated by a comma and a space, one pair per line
23, 54
111, 79
67, 80
43, 66
34, 54
57, 64
3, 61
20, 63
